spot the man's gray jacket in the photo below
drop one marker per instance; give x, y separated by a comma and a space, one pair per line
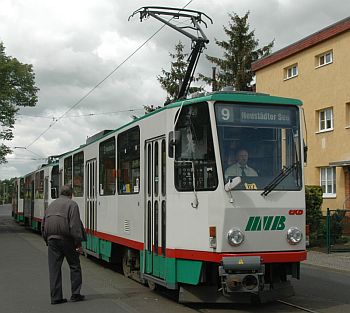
62, 221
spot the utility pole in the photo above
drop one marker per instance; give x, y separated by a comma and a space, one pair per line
6, 191
3, 193
214, 86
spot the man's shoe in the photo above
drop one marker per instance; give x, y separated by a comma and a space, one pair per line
76, 298
58, 301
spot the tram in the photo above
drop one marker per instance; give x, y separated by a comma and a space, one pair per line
155, 195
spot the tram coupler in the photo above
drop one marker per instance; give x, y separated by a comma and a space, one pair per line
241, 274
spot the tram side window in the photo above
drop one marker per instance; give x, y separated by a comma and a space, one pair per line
54, 182
21, 190
39, 185
27, 187
68, 171
78, 174
194, 153
129, 161
107, 167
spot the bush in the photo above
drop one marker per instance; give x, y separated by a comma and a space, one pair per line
313, 201
337, 227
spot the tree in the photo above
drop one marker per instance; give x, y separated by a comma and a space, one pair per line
6, 190
171, 81
240, 51
17, 88
150, 108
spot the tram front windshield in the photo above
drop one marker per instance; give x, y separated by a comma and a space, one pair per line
260, 143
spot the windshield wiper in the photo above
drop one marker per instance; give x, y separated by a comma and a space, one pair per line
285, 171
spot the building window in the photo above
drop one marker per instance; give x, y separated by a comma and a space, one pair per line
78, 174
129, 161
324, 59
291, 71
347, 114
328, 181
107, 167
325, 119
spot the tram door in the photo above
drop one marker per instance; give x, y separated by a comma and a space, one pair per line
91, 199
155, 210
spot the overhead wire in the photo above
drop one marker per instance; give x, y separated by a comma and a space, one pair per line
26, 159
26, 149
82, 115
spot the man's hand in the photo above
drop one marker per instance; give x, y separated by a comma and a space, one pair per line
79, 249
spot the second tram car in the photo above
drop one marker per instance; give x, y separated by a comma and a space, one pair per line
156, 195
37, 190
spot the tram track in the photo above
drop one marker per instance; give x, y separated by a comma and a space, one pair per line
297, 306
209, 308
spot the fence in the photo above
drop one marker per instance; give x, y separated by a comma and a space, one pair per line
338, 230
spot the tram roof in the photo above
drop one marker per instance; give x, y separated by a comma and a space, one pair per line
239, 96
225, 96
42, 166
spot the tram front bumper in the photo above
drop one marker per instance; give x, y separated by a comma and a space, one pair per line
242, 281
241, 274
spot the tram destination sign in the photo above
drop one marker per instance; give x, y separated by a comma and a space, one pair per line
253, 115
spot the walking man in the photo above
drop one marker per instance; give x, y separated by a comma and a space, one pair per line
63, 232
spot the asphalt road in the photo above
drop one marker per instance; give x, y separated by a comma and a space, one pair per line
323, 290
5, 210
24, 284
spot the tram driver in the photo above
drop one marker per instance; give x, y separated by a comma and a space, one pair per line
240, 167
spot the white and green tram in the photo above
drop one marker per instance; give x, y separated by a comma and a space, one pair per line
154, 196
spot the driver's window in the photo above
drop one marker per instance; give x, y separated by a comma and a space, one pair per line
194, 154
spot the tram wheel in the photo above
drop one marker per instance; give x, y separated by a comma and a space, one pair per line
84, 253
151, 285
126, 264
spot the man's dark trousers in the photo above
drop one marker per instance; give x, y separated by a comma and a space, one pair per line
58, 249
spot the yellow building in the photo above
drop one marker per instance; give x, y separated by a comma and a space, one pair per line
316, 70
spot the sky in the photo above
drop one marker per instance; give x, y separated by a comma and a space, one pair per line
74, 45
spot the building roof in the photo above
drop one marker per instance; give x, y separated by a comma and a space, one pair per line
305, 43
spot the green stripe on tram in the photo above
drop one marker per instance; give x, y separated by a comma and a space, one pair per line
172, 270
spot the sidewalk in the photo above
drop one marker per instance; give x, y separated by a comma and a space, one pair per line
24, 282
336, 260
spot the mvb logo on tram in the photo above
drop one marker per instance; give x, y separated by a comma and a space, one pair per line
256, 223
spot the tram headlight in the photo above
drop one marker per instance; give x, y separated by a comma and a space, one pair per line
235, 237
294, 235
